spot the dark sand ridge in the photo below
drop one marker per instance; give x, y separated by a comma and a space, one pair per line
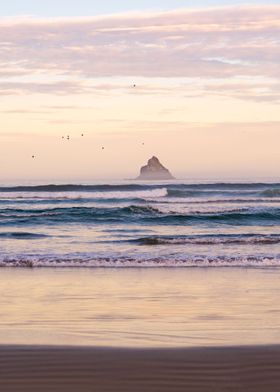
61, 369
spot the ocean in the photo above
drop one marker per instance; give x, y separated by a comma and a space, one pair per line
133, 224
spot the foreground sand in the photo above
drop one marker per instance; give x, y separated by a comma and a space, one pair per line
53, 369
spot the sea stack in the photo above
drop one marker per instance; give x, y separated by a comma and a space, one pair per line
154, 170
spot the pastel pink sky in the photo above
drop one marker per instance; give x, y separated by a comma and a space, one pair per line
206, 100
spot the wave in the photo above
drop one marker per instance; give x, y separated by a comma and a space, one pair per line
130, 262
136, 187
208, 193
100, 195
191, 193
224, 192
271, 193
22, 235
82, 211
148, 214
229, 239
236, 217
230, 218
183, 193
78, 215
79, 188
243, 200
77, 200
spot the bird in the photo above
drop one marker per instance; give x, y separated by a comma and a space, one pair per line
82, 134
134, 85
103, 148
33, 156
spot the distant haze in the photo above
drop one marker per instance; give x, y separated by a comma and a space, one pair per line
198, 88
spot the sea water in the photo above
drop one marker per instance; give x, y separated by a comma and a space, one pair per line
134, 224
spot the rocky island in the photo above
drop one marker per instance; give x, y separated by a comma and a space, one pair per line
154, 170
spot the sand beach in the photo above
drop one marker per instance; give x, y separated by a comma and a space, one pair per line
68, 369
139, 330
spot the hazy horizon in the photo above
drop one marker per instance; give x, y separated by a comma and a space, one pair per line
196, 86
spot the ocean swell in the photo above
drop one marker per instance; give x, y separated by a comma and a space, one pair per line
143, 214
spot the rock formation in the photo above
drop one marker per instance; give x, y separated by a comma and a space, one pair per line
154, 170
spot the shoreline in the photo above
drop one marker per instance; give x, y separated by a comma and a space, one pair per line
54, 368
30, 265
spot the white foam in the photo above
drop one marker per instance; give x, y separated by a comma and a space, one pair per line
198, 262
145, 194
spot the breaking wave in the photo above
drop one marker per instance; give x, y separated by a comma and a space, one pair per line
123, 262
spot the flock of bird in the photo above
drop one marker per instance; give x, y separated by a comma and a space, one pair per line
68, 138
82, 135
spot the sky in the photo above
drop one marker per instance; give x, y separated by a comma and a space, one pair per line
197, 86
55, 8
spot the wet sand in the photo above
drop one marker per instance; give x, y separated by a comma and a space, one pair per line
61, 369
140, 308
